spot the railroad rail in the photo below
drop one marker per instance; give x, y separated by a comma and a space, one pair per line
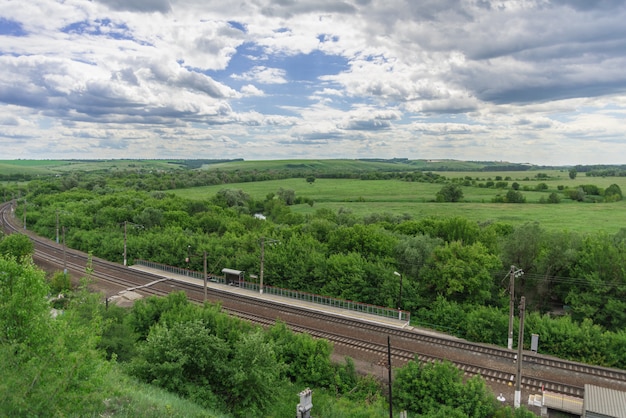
495, 364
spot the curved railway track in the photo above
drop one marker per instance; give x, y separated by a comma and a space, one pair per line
369, 341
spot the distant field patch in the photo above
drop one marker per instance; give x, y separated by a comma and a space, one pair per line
366, 197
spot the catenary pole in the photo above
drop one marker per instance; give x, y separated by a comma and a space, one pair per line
520, 347
511, 306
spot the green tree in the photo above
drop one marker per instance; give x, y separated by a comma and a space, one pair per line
577, 194
254, 376
613, 193
149, 217
572, 173
16, 245
184, 359
310, 179
345, 276
450, 193
307, 361
514, 196
461, 272
412, 253
231, 198
487, 324
286, 195
429, 388
600, 291
370, 241
522, 246
60, 283
554, 198
50, 367
556, 255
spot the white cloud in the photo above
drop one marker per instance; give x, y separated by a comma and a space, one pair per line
251, 90
436, 78
263, 75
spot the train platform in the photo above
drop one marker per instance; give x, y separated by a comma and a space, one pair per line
336, 311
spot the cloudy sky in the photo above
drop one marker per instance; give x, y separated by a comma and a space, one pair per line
538, 81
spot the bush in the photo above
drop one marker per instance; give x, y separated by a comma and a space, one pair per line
613, 193
513, 196
60, 283
450, 193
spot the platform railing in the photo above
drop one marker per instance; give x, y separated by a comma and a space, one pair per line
403, 316
180, 271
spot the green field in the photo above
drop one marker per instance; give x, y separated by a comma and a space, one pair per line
365, 197
51, 167
297, 167
348, 166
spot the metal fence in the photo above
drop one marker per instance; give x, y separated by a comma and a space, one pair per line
366, 308
180, 271
333, 302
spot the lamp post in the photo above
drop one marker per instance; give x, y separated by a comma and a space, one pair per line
399, 296
204, 265
263, 241
126, 223
64, 254
188, 259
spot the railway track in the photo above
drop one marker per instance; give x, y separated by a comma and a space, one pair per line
495, 364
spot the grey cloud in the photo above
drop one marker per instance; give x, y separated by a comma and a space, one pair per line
555, 91
110, 143
313, 137
8, 120
126, 75
144, 6
200, 82
288, 8
587, 5
367, 125
23, 96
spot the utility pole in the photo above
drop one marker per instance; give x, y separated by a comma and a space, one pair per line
513, 274
520, 347
205, 274
24, 214
57, 226
125, 243
400, 296
389, 376
64, 254
262, 261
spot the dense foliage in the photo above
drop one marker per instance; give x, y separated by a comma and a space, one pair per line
49, 367
56, 365
66, 365
447, 260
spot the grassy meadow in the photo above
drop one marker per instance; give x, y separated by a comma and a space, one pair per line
365, 197
396, 197
51, 167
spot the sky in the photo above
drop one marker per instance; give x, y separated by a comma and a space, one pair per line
523, 81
